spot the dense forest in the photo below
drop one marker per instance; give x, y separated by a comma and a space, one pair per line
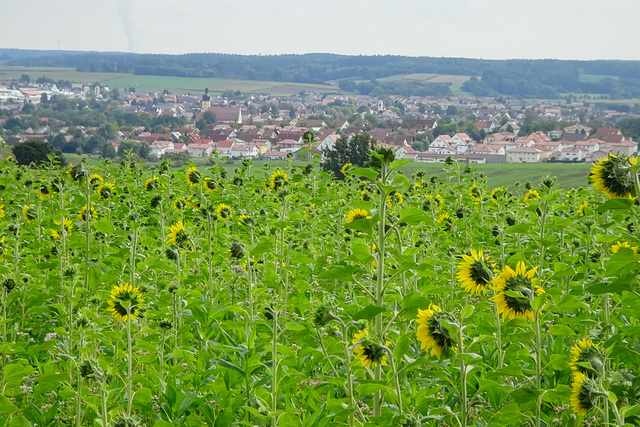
526, 78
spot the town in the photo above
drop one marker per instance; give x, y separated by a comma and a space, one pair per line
95, 120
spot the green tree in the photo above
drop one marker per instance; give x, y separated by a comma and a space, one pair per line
354, 150
34, 152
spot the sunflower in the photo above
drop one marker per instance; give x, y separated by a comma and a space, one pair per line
432, 202
357, 213
68, 226
520, 282
446, 221
474, 273
152, 184
82, 214
210, 185
345, 168
394, 198
369, 353
615, 248
178, 235
474, 193
224, 211
498, 194
180, 204
42, 189
581, 208
278, 179
105, 190
96, 180
585, 393
612, 176
193, 176
125, 293
531, 194
431, 333
1, 211
584, 353
29, 213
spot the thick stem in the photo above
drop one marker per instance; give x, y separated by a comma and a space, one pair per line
129, 365
463, 379
274, 367
380, 280
538, 379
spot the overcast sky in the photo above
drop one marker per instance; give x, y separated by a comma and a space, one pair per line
490, 29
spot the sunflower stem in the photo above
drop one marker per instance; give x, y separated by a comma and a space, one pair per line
103, 402
161, 368
538, 351
274, 367
129, 364
463, 379
79, 402
347, 368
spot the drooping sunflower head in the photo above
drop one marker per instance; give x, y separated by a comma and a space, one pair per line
531, 195
178, 235
394, 199
125, 302
210, 185
475, 272
587, 358
516, 289
367, 351
323, 314
357, 213
475, 194
95, 180
585, 393
82, 214
445, 221
345, 168
152, 183
77, 172
106, 190
180, 204
612, 176
42, 189
431, 332
581, 208
224, 211
278, 179
236, 250
29, 213
193, 176
615, 248
68, 226
499, 195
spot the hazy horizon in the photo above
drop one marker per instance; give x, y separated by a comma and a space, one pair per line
492, 29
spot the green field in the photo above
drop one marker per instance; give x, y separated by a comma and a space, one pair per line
159, 83
594, 78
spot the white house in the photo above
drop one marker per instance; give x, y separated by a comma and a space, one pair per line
200, 150
443, 144
523, 155
462, 142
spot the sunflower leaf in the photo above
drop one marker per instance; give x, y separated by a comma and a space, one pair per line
613, 204
399, 163
369, 312
365, 172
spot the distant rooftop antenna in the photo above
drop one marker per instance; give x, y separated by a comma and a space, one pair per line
59, 41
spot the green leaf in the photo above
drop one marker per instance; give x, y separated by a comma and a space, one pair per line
399, 163
104, 226
561, 330
369, 312
629, 411
344, 274
261, 248
538, 302
414, 216
6, 407
613, 204
609, 288
613, 398
467, 311
371, 387
229, 365
402, 345
365, 172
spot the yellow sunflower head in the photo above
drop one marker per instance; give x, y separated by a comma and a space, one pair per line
474, 193
345, 168
531, 195
612, 176
278, 179
193, 176
431, 333
615, 248
95, 180
516, 289
1, 211
587, 358
106, 190
125, 302
210, 185
180, 204
445, 221
29, 213
585, 394
68, 226
581, 208
224, 211
394, 199
475, 272
367, 351
357, 213
152, 184
178, 236
82, 214
498, 195
42, 189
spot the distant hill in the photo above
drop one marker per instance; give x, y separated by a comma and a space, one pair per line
544, 78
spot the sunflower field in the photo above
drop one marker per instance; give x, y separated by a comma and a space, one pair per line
282, 297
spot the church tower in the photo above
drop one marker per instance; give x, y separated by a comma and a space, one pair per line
206, 99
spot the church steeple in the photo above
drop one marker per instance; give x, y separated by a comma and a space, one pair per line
206, 99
